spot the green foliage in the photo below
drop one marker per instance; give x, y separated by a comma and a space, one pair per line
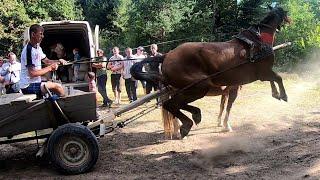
53, 10
152, 21
142, 22
13, 20
303, 32
17, 15
98, 12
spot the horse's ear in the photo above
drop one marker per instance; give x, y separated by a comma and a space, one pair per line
270, 7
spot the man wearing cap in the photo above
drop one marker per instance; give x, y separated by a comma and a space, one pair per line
140, 56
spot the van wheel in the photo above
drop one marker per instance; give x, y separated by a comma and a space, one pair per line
73, 149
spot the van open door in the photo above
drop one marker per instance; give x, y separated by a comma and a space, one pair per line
96, 38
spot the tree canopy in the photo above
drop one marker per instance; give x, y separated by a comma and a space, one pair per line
169, 23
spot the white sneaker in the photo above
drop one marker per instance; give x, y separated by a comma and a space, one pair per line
116, 101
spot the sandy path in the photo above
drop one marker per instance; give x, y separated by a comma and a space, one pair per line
271, 140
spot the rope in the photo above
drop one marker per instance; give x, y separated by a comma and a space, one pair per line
220, 72
135, 117
136, 109
206, 78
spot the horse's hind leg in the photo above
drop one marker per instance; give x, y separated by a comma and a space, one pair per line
196, 112
224, 97
174, 108
233, 93
180, 100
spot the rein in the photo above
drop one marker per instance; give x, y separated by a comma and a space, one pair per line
220, 72
209, 77
90, 62
266, 25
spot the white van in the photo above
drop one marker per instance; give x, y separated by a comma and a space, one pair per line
69, 34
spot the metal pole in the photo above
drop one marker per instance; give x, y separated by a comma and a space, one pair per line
112, 115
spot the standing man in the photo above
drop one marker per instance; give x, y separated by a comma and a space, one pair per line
153, 67
140, 56
130, 83
11, 72
2, 88
102, 77
1, 64
116, 66
31, 70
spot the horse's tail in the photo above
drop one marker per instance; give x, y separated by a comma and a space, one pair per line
171, 124
136, 69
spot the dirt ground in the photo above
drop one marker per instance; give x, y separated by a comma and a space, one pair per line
271, 140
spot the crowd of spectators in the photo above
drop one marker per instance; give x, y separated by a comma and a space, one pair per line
25, 77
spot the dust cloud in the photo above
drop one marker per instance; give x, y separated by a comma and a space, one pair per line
310, 66
227, 149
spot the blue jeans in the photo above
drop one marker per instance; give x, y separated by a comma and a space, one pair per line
13, 88
101, 83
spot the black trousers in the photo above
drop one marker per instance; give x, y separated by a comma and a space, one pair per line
131, 89
150, 86
101, 82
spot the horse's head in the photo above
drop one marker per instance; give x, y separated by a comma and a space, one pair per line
276, 18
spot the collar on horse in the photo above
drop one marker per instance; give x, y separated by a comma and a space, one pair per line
259, 43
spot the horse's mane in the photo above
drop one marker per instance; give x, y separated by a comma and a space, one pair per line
274, 13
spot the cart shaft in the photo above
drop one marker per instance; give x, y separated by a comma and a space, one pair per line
112, 115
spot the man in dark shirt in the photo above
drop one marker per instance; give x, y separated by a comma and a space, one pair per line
153, 67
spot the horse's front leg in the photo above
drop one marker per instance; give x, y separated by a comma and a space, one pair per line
274, 90
283, 94
272, 76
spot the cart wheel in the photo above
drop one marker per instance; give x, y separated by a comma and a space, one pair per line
73, 149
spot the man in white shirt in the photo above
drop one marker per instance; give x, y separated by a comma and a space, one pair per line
1, 64
31, 70
140, 56
130, 83
11, 73
2, 89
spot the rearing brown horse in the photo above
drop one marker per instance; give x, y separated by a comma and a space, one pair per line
196, 69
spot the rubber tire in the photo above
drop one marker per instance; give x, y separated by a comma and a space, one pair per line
74, 131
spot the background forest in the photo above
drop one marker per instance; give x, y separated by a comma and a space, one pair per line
168, 23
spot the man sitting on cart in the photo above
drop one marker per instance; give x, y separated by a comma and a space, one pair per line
31, 70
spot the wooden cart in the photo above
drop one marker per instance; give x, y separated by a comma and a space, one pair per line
69, 125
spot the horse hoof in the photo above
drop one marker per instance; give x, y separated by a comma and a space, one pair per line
184, 131
285, 98
226, 130
276, 96
219, 125
196, 118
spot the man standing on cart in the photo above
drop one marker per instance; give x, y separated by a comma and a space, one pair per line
31, 70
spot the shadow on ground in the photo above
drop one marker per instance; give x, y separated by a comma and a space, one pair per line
288, 153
